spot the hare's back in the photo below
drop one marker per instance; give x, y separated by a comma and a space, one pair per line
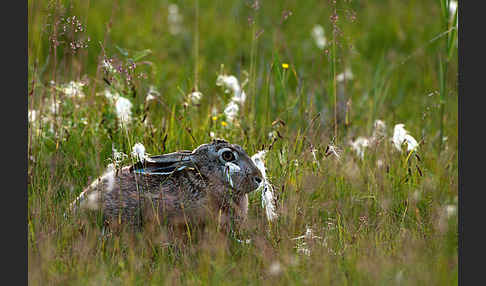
174, 198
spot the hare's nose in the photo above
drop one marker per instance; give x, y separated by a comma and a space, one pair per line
257, 179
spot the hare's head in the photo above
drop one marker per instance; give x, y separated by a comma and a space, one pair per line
228, 164
219, 162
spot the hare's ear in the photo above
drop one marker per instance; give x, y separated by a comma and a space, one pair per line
164, 164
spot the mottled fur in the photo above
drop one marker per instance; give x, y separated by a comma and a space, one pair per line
193, 192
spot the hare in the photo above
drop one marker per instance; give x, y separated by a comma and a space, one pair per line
210, 183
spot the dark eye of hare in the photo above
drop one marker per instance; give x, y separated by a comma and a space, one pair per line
228, 156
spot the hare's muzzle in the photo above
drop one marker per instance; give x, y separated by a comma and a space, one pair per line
257, 180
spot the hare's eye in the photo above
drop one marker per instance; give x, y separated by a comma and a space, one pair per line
228, 156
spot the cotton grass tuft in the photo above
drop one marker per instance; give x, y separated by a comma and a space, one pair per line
231, 85
302, 241
332, 150
362, 143
318, 36
450, 210
195, 97
346, 75
401, 137
152, 94
117, 156
359, 145
73, 89
174, 19
123, 106
138, 151
268, 196
32, 115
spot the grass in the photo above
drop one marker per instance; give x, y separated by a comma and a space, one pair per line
385, 219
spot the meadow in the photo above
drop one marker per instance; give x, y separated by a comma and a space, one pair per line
321, 86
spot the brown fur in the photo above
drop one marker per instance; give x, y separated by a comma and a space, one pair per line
191, 196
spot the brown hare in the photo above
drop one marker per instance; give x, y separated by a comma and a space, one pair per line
178, 189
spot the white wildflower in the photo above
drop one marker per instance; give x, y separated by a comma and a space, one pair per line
379, 130
123, 109
401, 136
152, 94
108, 66
73, 89
268, 201
230, 84
149, 97
32, 115
211, 134
110, 95
268, 198
318, 36
174, 19
346, 75
231, 111
123, 106
246, 241
138, 151
258, 160
118, 157
309, 234
332, 150
302, 241
450, 210
195, 97
240, 98
359, 145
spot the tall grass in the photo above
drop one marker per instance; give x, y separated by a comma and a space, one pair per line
449, 22
343, 220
